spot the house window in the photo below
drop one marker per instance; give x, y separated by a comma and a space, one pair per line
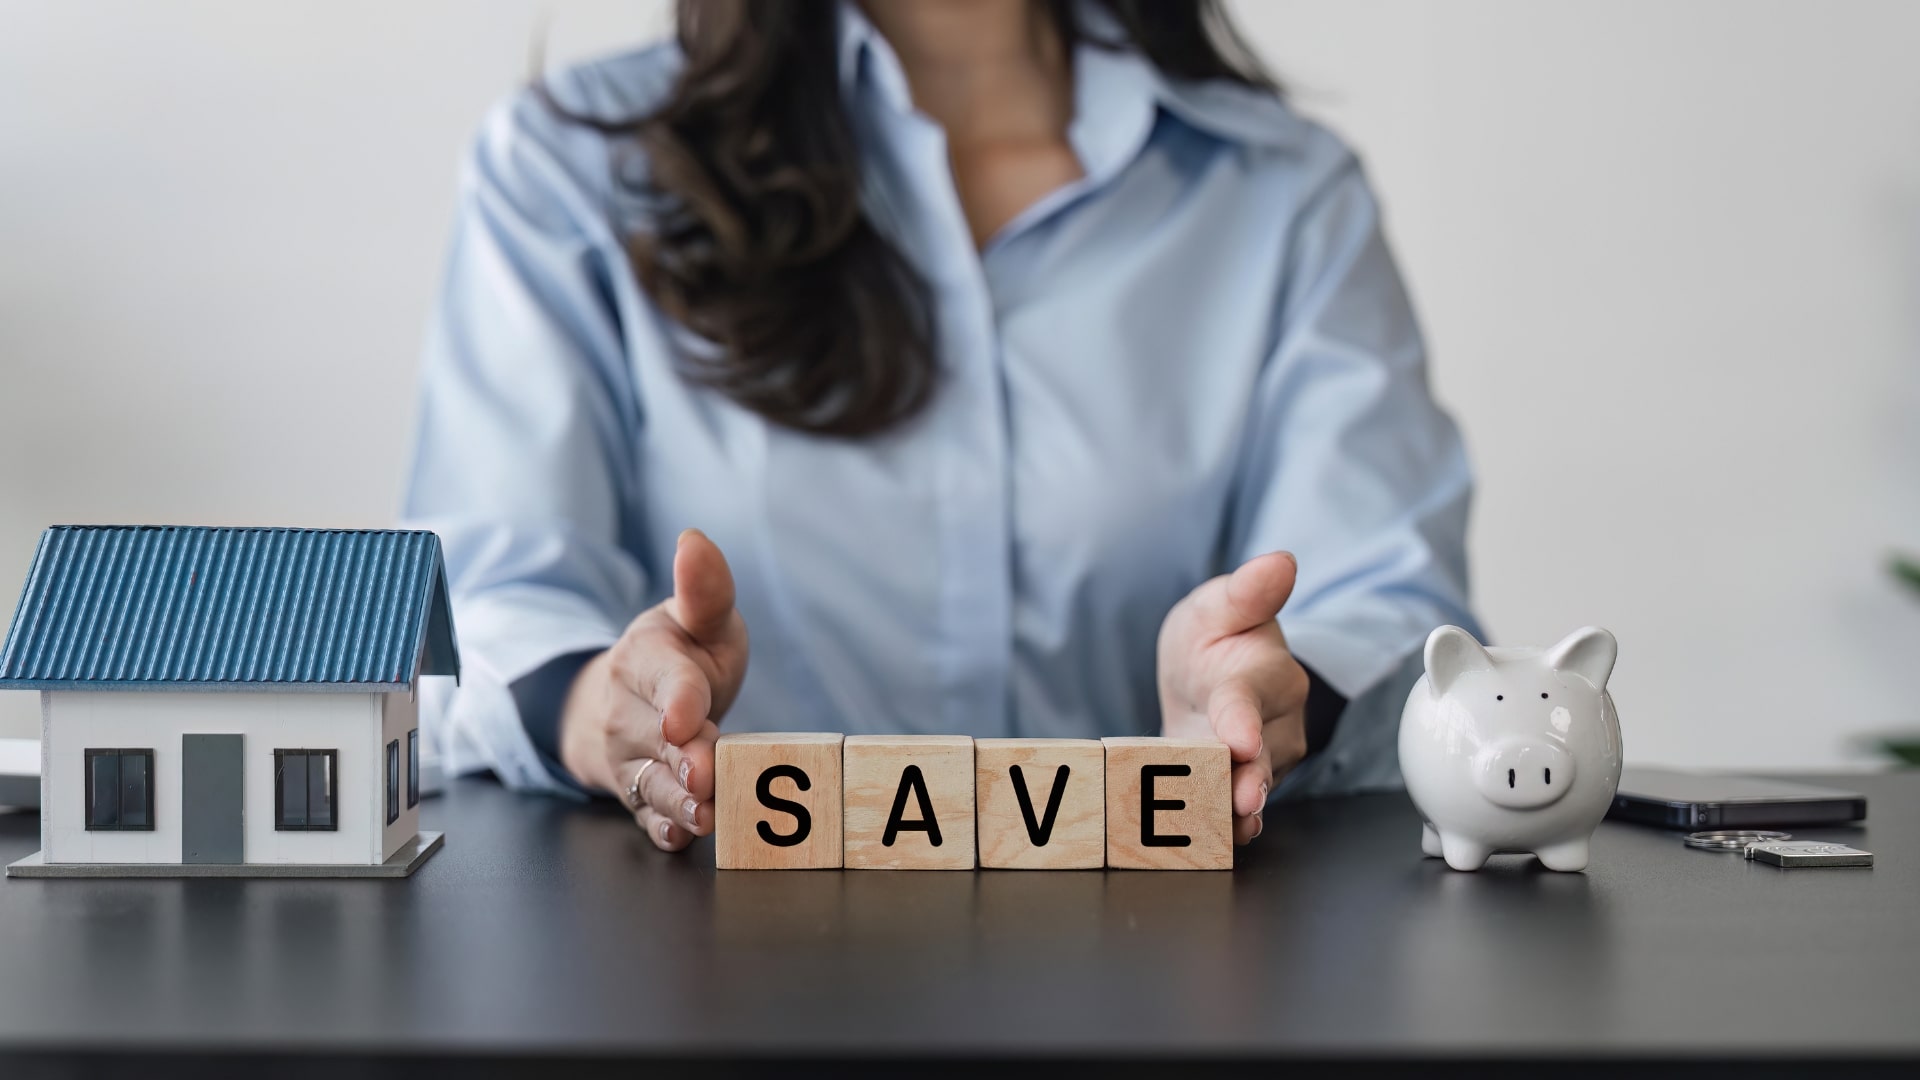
120, 790
393, 781
306, 785
413, 768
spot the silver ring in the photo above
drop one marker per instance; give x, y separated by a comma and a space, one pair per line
1731, 839
633, 789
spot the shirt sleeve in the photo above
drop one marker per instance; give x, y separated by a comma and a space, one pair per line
522, 457
1352, 466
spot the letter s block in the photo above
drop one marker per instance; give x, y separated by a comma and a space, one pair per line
909, 802
1169, 804
777, 801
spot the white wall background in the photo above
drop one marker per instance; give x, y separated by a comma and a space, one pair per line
1668, 256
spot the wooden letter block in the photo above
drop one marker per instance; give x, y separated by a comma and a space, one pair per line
1169, 804
909, 802
1043, 803
777, 801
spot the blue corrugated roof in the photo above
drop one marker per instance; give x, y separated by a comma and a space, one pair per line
190, 607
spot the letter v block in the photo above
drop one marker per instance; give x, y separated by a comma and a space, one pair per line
1169, 804
777, 801
909, 802
1043, 803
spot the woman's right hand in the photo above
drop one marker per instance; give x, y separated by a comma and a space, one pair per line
641, 718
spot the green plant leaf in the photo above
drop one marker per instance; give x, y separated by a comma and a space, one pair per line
1905, 750
1907, 570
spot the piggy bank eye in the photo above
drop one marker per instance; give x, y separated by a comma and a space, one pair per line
1499, 697
1543, 695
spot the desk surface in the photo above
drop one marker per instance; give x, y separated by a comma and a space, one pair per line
543, 928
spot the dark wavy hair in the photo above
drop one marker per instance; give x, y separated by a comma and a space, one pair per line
758, 243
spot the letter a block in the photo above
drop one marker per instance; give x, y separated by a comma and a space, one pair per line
1043, 803
909, 802
777, 802
1169, 804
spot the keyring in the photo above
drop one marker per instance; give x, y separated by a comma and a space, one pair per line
633, 789
1732, 839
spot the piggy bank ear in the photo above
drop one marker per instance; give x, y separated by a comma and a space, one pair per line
1588, 652
1451, 653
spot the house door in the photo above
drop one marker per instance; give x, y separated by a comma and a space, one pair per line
210, 808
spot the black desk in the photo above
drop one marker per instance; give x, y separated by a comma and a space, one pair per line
548, 930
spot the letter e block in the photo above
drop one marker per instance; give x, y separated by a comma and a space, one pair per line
909, 802
777, 801
1043, 803
1169, 804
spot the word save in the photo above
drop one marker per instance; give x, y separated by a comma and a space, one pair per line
948, 802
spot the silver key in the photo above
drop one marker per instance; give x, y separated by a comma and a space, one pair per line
1731, 839
1791, 853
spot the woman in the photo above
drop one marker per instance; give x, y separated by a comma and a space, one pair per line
1003, 348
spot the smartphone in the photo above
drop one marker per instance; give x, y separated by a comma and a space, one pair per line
1682, 800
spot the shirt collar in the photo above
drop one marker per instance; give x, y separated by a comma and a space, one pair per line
867, 62
1117, 92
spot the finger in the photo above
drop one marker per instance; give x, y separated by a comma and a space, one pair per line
1246, 828
1285, 739
1251, 783
634, 732
692, 761
676, 688
1250, 596
660, 789
702, 587
665, 834
1233, 712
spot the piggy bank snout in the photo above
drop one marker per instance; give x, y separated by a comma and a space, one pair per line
1523, 774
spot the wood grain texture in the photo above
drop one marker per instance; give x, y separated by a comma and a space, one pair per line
1205, 817
877, 769
1077, 839
739, 811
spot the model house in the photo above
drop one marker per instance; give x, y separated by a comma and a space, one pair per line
229, 701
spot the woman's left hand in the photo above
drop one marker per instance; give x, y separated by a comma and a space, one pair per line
1226, 673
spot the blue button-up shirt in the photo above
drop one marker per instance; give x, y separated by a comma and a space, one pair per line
1198, 352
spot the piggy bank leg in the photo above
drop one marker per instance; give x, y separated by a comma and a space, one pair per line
1429, 840
1464, 854
1569, 856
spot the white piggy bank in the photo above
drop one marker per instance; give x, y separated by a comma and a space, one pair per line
1512, 750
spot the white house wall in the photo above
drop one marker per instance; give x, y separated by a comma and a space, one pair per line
400, 714
349, 723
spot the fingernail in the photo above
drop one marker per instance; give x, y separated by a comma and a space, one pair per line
692, 808
1264, 788
686, 772
1259, 824
666, 832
